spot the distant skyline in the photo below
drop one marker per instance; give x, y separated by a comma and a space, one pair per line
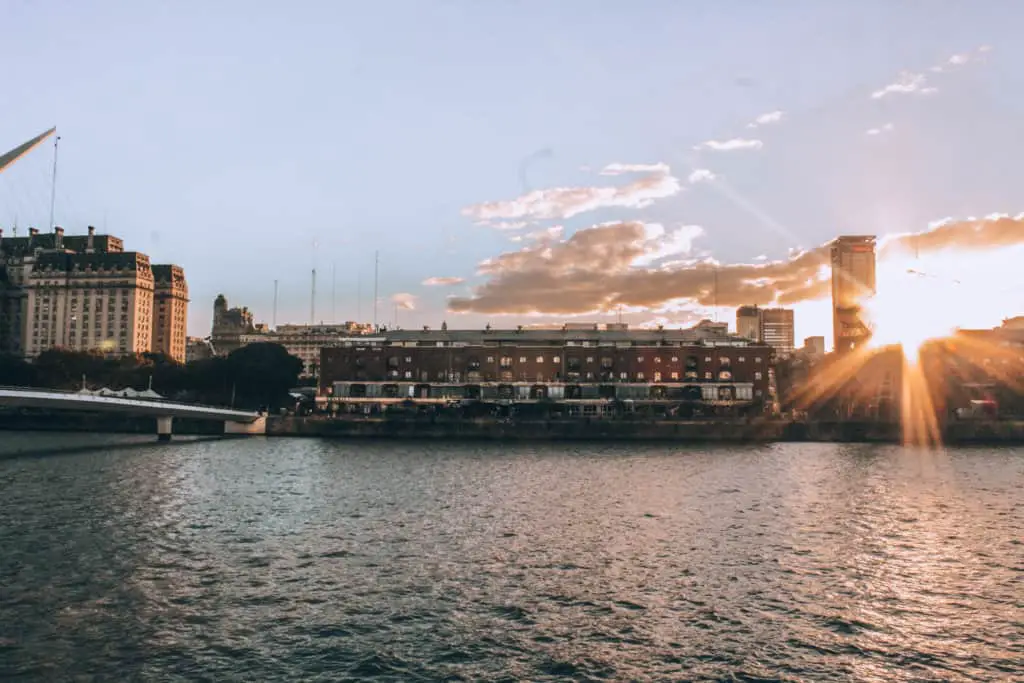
531, 162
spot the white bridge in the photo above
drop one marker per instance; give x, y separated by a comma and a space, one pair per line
235, 421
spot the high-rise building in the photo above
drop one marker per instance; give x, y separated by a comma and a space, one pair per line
777, 329
814, 346
748, 322
170, 301
80, 293
853, 283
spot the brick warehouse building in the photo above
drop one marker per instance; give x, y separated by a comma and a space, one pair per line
574, 363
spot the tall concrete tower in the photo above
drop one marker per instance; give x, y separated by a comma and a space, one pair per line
853, 283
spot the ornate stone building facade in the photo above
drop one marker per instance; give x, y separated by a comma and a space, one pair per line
86, 293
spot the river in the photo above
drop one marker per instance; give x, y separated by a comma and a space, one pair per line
291, 559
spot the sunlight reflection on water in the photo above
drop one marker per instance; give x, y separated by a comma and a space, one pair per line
296, 559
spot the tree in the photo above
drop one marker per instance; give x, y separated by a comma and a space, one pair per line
262, 374
15, 372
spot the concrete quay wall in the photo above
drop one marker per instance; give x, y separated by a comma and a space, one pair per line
740, 431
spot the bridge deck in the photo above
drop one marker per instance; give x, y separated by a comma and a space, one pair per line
60, 400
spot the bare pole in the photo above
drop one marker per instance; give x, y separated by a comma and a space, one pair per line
274, 319
53, 183
716, 292
376, 281
312, 291
312, 300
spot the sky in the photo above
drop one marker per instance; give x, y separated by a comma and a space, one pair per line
530, 162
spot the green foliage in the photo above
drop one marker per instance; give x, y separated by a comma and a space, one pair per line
253, 376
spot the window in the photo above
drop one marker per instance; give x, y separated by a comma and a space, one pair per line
639, 359
408, 359
556, 360
590, 359
506, 361
757, 359
640, 377
675, 376
623, 375
707, 359
522, 359
675, 359
408, 374
540, 359
707, 375
657, 360
725, 375
657, 376
742, 359
490, 359
757, 375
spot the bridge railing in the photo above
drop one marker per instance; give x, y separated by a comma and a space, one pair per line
129, 399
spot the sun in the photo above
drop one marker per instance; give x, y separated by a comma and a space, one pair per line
909, 309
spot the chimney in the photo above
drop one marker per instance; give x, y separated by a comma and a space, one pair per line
32, 232
89, 240
58, 237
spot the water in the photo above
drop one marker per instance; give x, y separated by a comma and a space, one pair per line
286, 560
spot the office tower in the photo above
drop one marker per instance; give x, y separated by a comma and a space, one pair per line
777, 329
748, 322
853, 282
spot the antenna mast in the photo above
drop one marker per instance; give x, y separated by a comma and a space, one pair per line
53, 184
312, 300
333, 292
274, 319
376, 272
312, 291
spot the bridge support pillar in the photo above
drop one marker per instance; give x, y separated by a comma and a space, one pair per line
257, 426
163, 428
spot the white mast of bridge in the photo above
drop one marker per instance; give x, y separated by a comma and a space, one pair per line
23, 149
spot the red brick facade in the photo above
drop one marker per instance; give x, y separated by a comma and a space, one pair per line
542, 364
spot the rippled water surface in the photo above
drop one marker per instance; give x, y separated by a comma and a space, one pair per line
286, 560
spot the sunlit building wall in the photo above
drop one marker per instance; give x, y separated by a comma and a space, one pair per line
778, 330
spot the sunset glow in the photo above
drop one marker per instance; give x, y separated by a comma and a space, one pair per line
911, 307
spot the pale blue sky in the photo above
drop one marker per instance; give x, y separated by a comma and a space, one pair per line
226, 136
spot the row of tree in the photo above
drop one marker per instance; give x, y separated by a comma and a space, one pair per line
253, 376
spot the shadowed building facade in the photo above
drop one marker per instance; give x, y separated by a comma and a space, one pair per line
853, 283
693, 365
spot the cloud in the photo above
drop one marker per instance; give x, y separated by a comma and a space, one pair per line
547, 234
619, 169
443, 281
700, 175
886, 128
609, 267
565, 202
766, 118
404, 300
992, 232
731, 145
661, 244
959, 59
906, 84
504, 225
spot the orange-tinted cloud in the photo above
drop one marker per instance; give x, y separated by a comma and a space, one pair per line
565, 202
443, 281
608, 266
